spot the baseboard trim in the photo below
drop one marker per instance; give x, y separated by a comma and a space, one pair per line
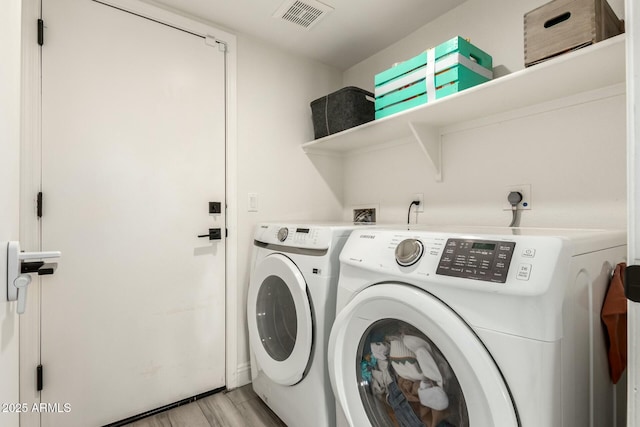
244, 374
165, 408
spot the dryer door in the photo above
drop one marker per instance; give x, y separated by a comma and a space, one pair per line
399, 356
279, 317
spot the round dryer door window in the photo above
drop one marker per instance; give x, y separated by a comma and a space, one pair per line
276, 318
400, 357
279, 317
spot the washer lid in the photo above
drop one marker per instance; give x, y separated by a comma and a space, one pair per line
442, 352
279, 317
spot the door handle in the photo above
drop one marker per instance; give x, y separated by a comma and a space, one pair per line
21, 283
214, 234
19, 272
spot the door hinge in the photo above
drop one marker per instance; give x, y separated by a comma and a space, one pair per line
40, 32
39, 205
226, 232
39, 378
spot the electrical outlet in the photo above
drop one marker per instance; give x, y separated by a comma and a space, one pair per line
524, 189
419, 196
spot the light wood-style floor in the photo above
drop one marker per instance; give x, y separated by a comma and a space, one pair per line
236, 408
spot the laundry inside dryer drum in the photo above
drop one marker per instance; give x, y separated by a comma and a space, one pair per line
405, 380
276, 317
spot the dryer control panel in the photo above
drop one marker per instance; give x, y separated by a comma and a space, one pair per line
486, 260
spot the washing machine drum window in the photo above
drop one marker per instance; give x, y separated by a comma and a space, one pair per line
404, 379
399, 356
276, 318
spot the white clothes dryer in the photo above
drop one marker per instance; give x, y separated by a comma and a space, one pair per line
290, 309
474, 327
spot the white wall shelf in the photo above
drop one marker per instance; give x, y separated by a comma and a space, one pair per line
595, 67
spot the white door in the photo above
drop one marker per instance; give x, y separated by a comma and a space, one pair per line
279, 318
9, 202
133, 151
385, 329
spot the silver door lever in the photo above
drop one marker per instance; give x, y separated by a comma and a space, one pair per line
19, 272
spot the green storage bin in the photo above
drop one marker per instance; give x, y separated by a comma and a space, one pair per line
458, 65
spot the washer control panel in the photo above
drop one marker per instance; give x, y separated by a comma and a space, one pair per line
298, 235
486, 260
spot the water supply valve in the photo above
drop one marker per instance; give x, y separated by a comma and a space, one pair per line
20, 266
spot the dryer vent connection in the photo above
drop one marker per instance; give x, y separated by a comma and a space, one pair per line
364, 216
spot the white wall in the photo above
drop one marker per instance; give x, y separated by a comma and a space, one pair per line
573, 157
575, 168
274, 119
10, 29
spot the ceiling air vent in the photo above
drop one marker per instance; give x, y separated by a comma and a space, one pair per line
305, 14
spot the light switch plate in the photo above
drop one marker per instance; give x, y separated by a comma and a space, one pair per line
252, 202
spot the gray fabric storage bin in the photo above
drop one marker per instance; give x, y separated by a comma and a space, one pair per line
340, 110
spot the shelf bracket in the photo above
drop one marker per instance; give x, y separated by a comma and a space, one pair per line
430, 140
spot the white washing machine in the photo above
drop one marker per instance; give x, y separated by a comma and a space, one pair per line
474, 327
290, 310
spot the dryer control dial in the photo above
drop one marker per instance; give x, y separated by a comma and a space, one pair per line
283, 233
409, 251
